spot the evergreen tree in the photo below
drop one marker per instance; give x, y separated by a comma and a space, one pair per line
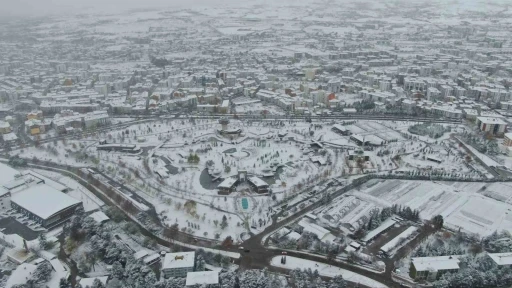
64, 283
97, 284
224, 222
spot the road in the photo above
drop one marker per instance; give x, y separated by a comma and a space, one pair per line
258, 117
258, 257
255, 117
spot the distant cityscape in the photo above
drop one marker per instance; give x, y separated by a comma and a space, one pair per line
319, 144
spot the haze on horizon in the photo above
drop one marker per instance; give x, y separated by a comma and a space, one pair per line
19, 8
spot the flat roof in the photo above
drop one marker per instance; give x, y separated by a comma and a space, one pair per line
257, 181
140, 254
436, 263
202, 278
491, 120
394, 242
178, 260
43, 200
340, 127
151, 258
227, 183
47, 180
7, 173
99, 217
501, 258
321, 232
375, 232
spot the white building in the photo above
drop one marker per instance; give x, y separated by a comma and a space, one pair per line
431, 268
501, 259
202, 278
45, 205
95, 118
178, 264
493, 125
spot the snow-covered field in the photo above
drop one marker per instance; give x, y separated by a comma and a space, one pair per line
325, 270
479, 208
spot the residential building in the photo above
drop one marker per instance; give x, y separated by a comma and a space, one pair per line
432, 268
507, 139
178, 264
501, 259
493, 125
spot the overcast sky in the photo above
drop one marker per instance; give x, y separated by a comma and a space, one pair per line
45, 7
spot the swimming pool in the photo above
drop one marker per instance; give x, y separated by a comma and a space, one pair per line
245, 204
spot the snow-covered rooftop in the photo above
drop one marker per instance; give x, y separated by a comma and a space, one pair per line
227, 183
8, 173
395, 241
383, 226
313, 228
501, 259
140, 254
492, 120
257, 181
21, 275
202, 278
99, 217
178, 260
436, 263
43, 200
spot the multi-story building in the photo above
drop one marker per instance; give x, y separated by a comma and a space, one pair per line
507, 139
178, 264
493, 125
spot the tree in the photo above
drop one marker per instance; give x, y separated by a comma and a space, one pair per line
43, 243
224, 222
337, 282
43, 273
97, 284
200, 263
438, 222
117, 270
64, 283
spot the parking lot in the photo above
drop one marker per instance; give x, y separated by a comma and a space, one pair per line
11, 225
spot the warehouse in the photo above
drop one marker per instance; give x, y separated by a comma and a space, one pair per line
45, 205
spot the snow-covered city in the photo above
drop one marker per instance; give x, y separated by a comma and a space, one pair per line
256, 144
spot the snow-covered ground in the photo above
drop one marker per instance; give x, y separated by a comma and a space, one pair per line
89, 200
325, 270
479, 208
